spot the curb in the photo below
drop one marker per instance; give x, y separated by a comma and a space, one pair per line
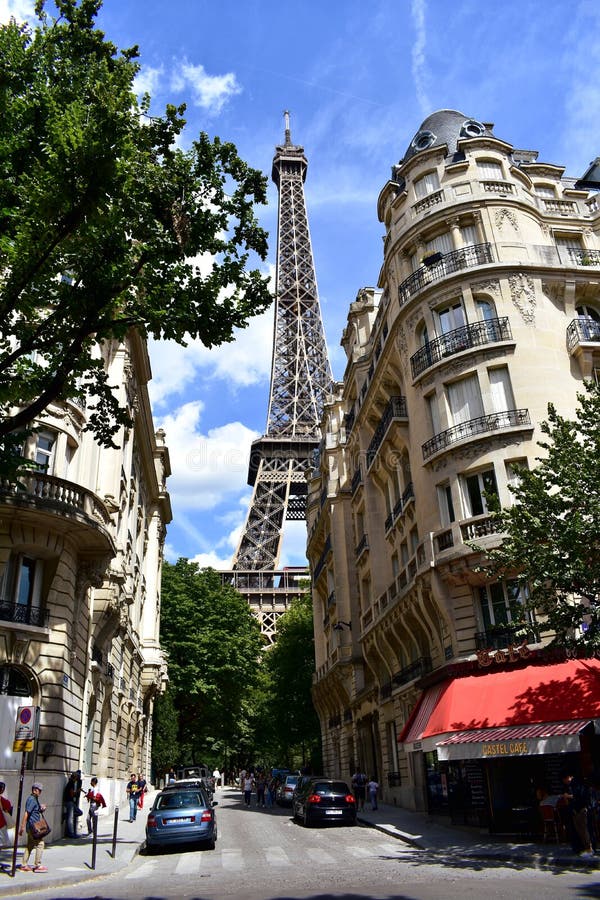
393, 832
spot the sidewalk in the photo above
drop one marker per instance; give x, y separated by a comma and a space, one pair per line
438, 836
69, 860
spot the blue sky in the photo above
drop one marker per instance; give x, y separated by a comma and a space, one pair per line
358, 79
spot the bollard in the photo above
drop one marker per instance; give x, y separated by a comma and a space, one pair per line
94, 839
115, 826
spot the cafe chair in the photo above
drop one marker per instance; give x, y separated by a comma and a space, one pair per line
549, 823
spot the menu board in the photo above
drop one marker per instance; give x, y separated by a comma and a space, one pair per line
476, 784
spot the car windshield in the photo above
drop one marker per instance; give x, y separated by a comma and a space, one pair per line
330, 787
179, 800
291, 779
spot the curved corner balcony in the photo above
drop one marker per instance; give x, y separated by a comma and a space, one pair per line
62, 506
508, 418
446, 264
468, 337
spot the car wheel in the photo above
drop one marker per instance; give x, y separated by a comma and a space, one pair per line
306, 820
210, 844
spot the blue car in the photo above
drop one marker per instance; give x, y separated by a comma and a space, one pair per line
181, 817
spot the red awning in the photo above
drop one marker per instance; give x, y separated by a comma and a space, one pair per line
561, 693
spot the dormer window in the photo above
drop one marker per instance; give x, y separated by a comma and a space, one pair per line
422, 140
427, 185
489, 170
546, 191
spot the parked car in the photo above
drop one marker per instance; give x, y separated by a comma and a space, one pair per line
324, 801
286, 790
181, 816
186, 784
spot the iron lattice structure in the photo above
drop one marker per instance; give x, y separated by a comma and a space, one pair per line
300, 378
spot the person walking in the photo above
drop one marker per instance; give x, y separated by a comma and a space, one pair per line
359, 784
34, 811
143, 785
248, 785
133, 793
372, 788
96, 801
6, 809
217, 777
261, 786
70, 797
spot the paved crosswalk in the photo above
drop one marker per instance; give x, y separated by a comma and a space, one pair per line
190, 863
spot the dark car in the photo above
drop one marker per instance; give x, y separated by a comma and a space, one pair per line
181, 816
324, 801
285, 790
186, 784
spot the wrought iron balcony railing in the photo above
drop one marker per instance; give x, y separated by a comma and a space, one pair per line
362, 545
508, 418
416, 669
323, 557
465, 258
500, 637
395, 409
21, 614
582, 330
356, 480
478, 334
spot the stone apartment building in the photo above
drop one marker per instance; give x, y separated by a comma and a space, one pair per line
81, 543
487, 308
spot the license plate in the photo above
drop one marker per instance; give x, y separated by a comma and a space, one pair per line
334, 812
180, 821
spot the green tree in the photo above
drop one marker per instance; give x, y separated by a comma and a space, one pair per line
290, 664
213, 646
165, 746
104, 221
552, 533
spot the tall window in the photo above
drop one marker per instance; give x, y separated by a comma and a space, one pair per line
469, 235
502, 603
589, 321
489, 169
546, 191
445, 504
475, 488
464, 399
485, 310
434, 414
451, 317
21, 589
427, 185
500, 389
44, 450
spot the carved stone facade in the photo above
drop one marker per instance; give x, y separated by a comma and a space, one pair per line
487, 309
81, 547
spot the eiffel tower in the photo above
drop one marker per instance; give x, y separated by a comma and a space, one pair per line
300, 378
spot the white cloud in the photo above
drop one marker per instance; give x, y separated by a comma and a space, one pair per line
243, 362
210, 92
21, 10
147, 80
419, 69
207, 468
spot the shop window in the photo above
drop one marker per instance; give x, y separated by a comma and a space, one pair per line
21, 589
476, 487
502, 603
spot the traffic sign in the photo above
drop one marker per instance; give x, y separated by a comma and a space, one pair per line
24, 729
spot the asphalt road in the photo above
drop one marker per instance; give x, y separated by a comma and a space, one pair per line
263, 855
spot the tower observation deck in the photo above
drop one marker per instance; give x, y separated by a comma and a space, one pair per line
300, 379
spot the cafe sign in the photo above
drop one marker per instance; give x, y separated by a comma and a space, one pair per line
512, 654
505, 748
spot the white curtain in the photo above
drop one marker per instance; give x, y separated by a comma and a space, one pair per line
427, 184
500, 390
464, 398
489, 169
